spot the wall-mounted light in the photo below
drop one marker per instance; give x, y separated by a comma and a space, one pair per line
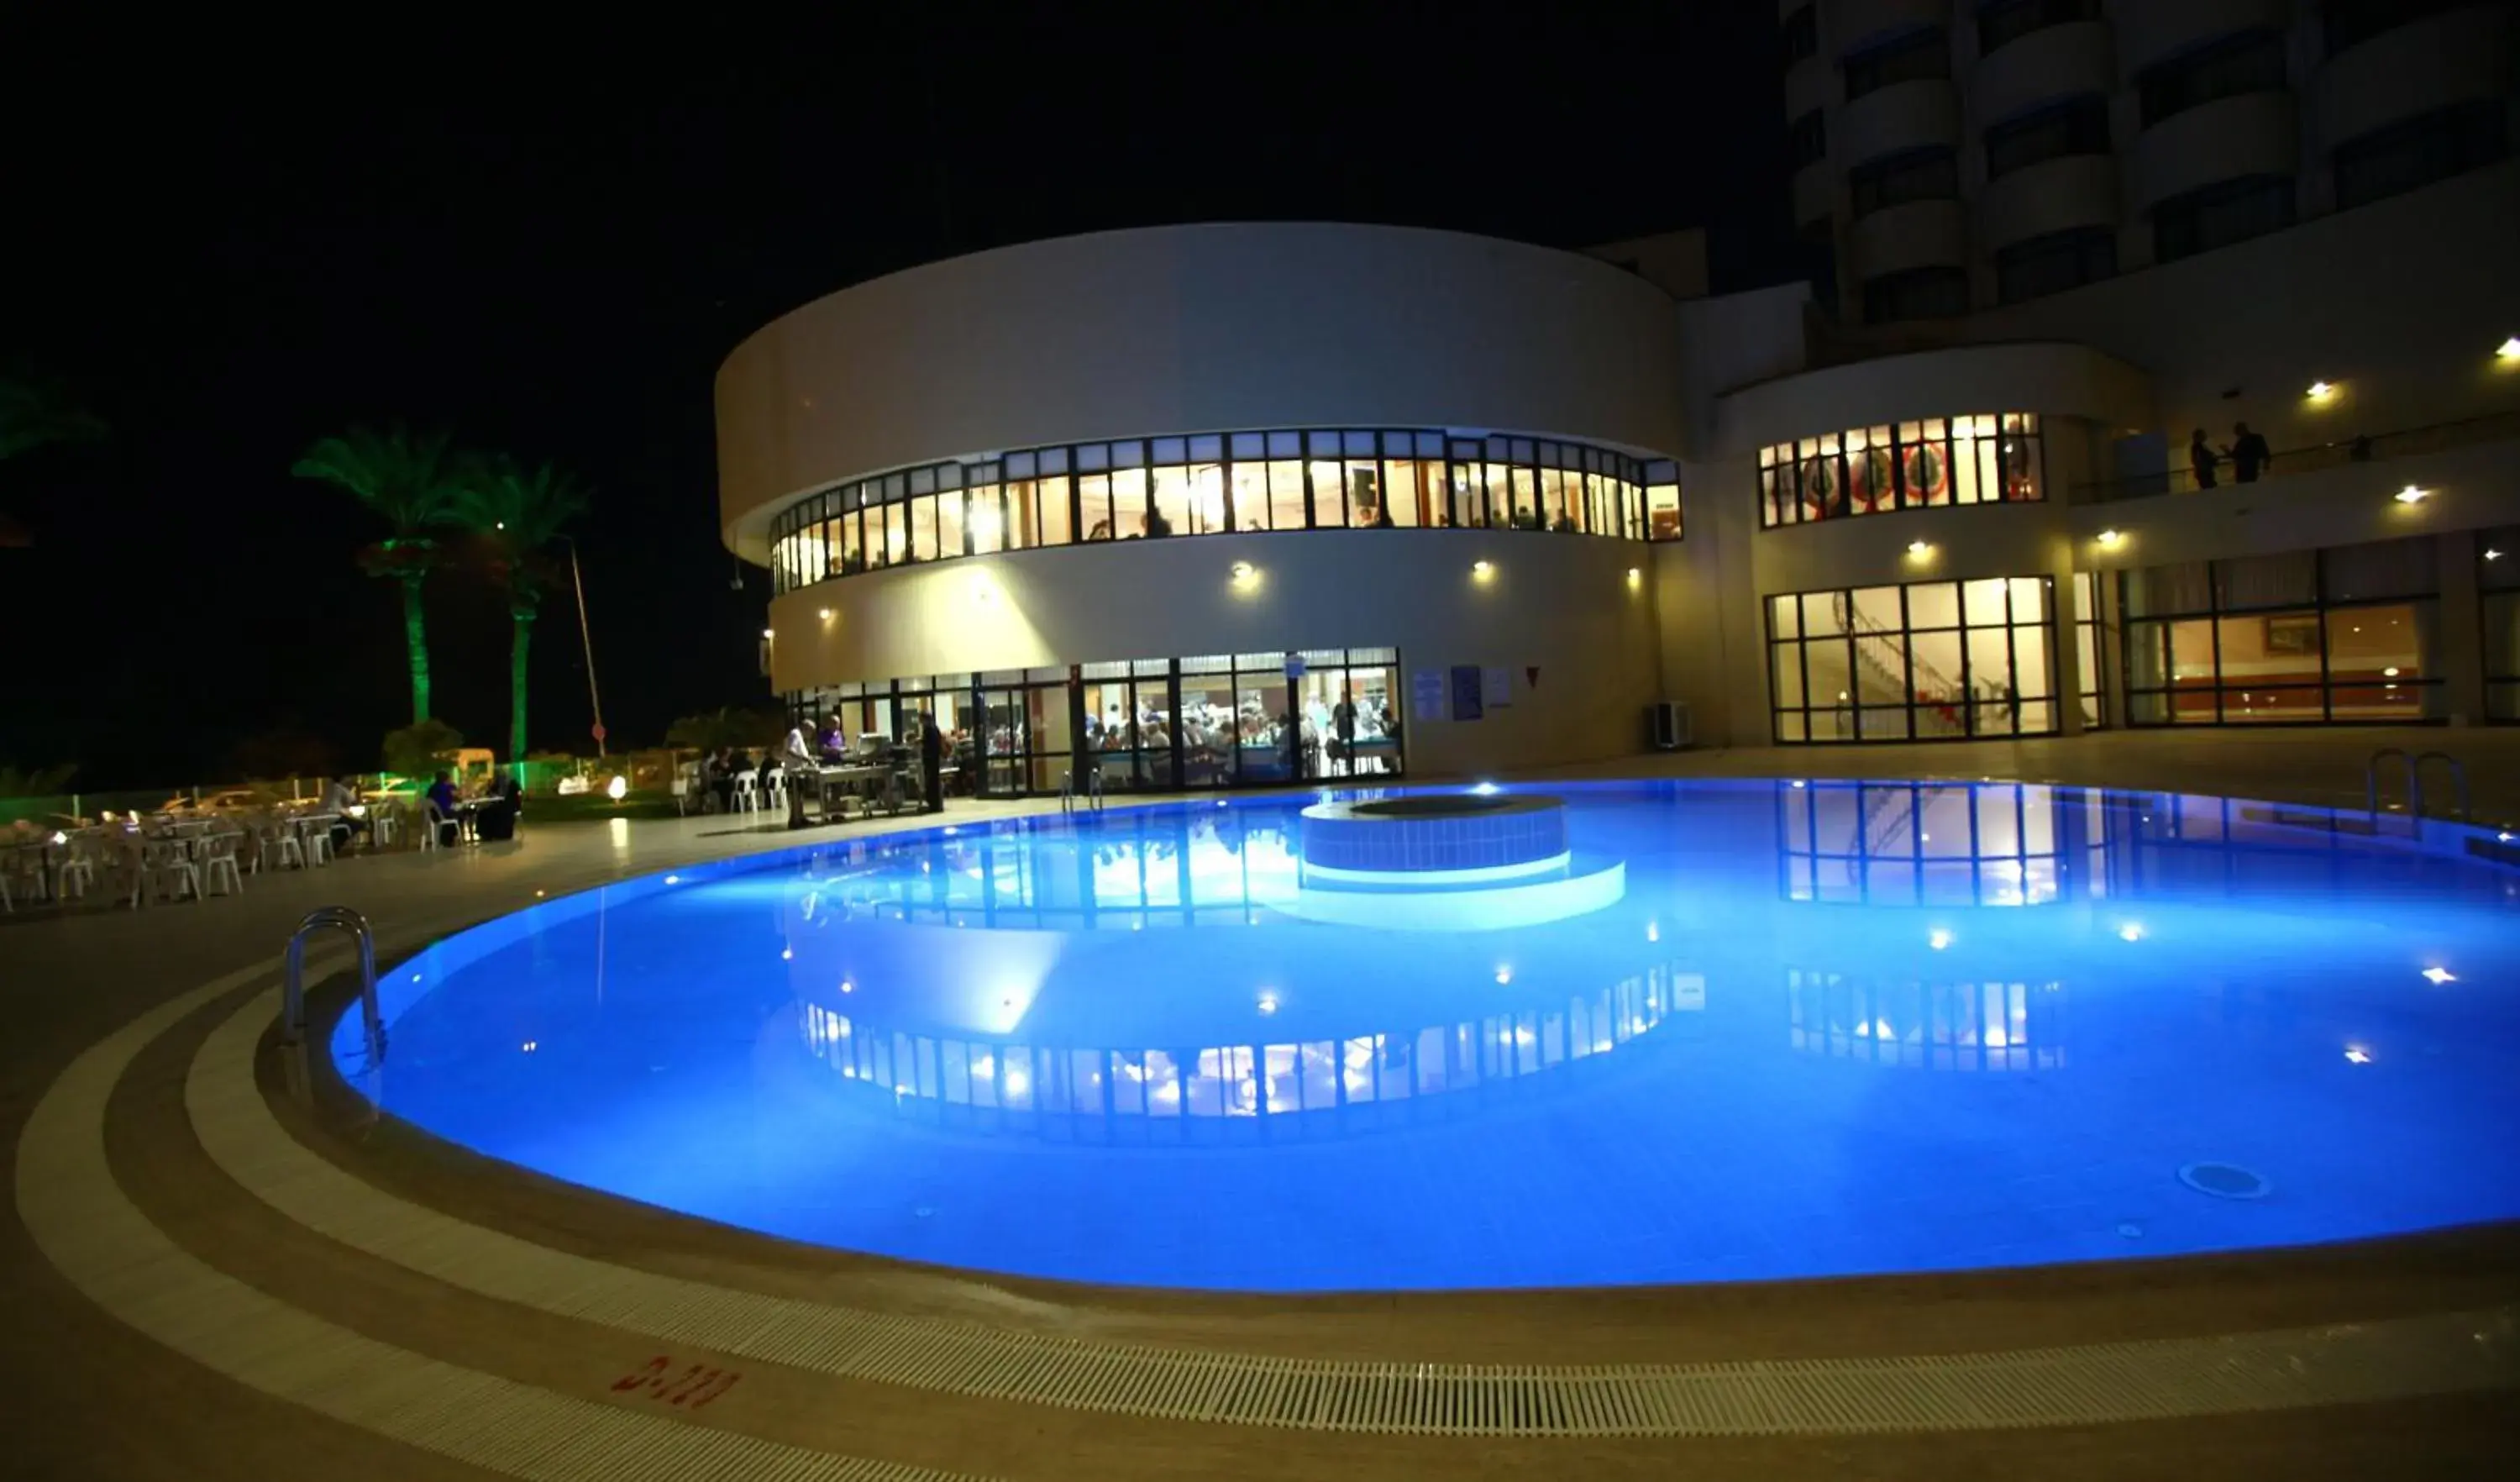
2111, 537
1482, 569
827, 614
1919, 549
2411, 495
2492, 556
1635, 576
2320, 391
1244, 573
768, 633
2508, 350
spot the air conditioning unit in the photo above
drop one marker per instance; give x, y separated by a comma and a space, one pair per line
1667, 725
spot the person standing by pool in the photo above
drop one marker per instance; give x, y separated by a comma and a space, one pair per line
931, 759
801, 765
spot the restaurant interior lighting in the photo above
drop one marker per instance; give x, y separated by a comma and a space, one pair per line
1920, 549
2411, 495
2111, 537
1482, 569
2320, 391
1244, 573
767, 633
825, 614
2508, 349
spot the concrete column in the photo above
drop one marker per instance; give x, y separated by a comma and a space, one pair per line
2062, 614
2461, 632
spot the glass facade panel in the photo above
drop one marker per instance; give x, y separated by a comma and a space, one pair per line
1926, 661
2299, 638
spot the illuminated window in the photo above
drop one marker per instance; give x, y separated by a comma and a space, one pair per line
1925, 661
1978, 458
1208, 483
2305, 637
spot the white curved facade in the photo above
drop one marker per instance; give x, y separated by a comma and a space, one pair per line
1191, 330
1258, 504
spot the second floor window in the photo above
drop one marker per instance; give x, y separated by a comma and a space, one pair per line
1936, 293
2220, 214
2004, 21
2055, 262
1928, 174
1807, 140
2420, 150
2078, 127
2253, 63
1908, 58
2350, 21
1802, 35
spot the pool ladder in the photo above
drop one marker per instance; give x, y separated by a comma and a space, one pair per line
2414, 774
292, 991
1068, 801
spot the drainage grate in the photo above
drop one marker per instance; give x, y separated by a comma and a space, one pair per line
2052, 1386
2225, 1181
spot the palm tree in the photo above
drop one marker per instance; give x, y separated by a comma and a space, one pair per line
36, 411
517, 514
409, 481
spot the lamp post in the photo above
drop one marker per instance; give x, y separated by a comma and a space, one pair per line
586, 635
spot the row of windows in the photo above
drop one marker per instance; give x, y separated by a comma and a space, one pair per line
1910, 465
1924, 660
2349, 634
1214, 483
1209, 721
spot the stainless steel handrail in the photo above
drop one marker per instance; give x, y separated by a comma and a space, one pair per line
2371, 779
2457, 774
292, 992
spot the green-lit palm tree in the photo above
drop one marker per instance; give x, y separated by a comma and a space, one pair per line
410, 483
518, 512
34, 411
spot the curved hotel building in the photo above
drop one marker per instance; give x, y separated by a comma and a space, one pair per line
1247, 503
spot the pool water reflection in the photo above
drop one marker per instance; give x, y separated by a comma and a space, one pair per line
1829, 1028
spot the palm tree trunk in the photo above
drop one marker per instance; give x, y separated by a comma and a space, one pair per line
414, 633
516, 689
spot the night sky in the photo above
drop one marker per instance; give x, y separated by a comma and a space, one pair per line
547, 253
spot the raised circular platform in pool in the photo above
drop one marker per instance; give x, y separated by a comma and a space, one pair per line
1446, 861
1828, 1028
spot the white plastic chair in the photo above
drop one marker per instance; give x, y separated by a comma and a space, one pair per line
434, 825
276, 847
746, 799
319, 842
383, 823
166, 871
219, 863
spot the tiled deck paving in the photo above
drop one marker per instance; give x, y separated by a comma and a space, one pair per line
275, 1314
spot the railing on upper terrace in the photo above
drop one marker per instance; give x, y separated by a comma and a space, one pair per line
2374, 448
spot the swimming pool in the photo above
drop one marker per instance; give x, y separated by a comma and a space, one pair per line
1788, 1029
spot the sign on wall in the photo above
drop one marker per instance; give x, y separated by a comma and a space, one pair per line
1466, 692
1498, 686
1426, 693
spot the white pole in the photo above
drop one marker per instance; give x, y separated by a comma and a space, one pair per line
587, 635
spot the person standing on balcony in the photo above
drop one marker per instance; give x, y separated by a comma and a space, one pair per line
2249, 453
2201, 459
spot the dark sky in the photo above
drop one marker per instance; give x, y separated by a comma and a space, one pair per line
547, 251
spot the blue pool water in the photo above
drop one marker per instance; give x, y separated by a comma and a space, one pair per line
1762, 1030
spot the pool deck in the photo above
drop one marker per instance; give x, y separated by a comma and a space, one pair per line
207, 1277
